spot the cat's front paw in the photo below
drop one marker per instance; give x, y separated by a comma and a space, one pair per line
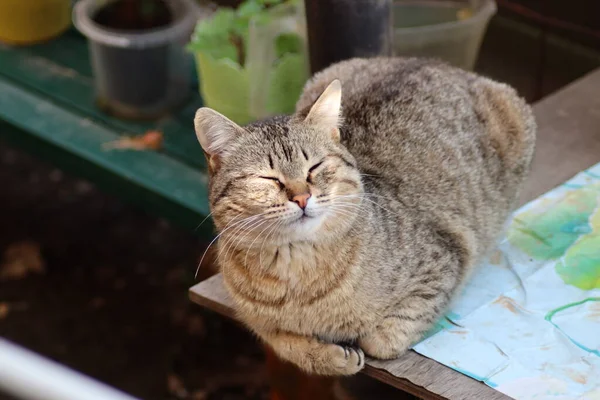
343, 359
384, 344
317, 356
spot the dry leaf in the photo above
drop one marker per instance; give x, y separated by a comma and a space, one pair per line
243, 361
97, 302
199, 395
7, 308
151, 140
176, 387
175, 275
196, 325
19, 259
178, 316
4, 310
120, 284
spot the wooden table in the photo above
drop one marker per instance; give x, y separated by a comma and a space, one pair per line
568, 141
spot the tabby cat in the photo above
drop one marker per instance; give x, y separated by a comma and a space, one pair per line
347, 227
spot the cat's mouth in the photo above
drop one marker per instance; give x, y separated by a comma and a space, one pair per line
305, 218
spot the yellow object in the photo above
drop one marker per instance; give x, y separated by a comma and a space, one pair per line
31, 21
464, 13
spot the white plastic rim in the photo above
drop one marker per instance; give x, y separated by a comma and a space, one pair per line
27, 375
185, 15
485, 11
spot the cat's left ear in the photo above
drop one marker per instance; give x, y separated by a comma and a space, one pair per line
215, 133
327, 110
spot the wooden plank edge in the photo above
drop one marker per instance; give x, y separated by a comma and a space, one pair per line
198, 294
400, 383
29, 70
75, 142
212, 294
107, 181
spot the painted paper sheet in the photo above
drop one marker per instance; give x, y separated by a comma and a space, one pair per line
528, 322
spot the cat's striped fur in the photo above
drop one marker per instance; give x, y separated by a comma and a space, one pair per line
406, 196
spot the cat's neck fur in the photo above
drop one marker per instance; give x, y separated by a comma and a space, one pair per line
302, 262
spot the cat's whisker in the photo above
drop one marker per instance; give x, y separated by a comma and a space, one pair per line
347, 213
364, 197
350, 221
362, 194
247, 230
348, 205
349, 208
367, 194
204, 220
333, 198
277, 225
383, 208
229, 240
351, 212
230, 225
240, 234
350, 216
254, 241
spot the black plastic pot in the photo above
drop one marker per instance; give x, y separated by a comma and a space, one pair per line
343, 29
139, 74
137, 78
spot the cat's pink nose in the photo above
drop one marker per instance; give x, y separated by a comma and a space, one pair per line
301, 199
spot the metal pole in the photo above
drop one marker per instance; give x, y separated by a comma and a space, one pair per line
26, 375
342, 29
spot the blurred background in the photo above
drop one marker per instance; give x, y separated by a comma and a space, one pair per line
103, 186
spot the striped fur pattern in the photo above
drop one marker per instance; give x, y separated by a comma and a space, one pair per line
347, 227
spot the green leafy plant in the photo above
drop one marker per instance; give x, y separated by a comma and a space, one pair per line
256, 51
225, 34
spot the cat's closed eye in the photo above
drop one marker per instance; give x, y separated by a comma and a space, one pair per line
317, 165
276, 180
311, 170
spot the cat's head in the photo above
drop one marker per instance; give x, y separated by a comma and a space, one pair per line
282, 180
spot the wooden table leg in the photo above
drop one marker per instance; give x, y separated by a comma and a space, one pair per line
289, 383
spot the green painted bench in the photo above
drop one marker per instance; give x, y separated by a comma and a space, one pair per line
47, 106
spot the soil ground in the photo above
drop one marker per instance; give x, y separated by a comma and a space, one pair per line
111, 298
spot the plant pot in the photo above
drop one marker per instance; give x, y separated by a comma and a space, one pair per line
450, 30
139, 74
270, 82
24, 22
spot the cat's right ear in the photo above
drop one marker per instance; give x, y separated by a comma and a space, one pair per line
327, 110
215, 132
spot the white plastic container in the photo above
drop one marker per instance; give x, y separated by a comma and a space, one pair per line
139, 74
276, 80
448, 30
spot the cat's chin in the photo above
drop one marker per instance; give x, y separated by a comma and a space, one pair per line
305, 228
